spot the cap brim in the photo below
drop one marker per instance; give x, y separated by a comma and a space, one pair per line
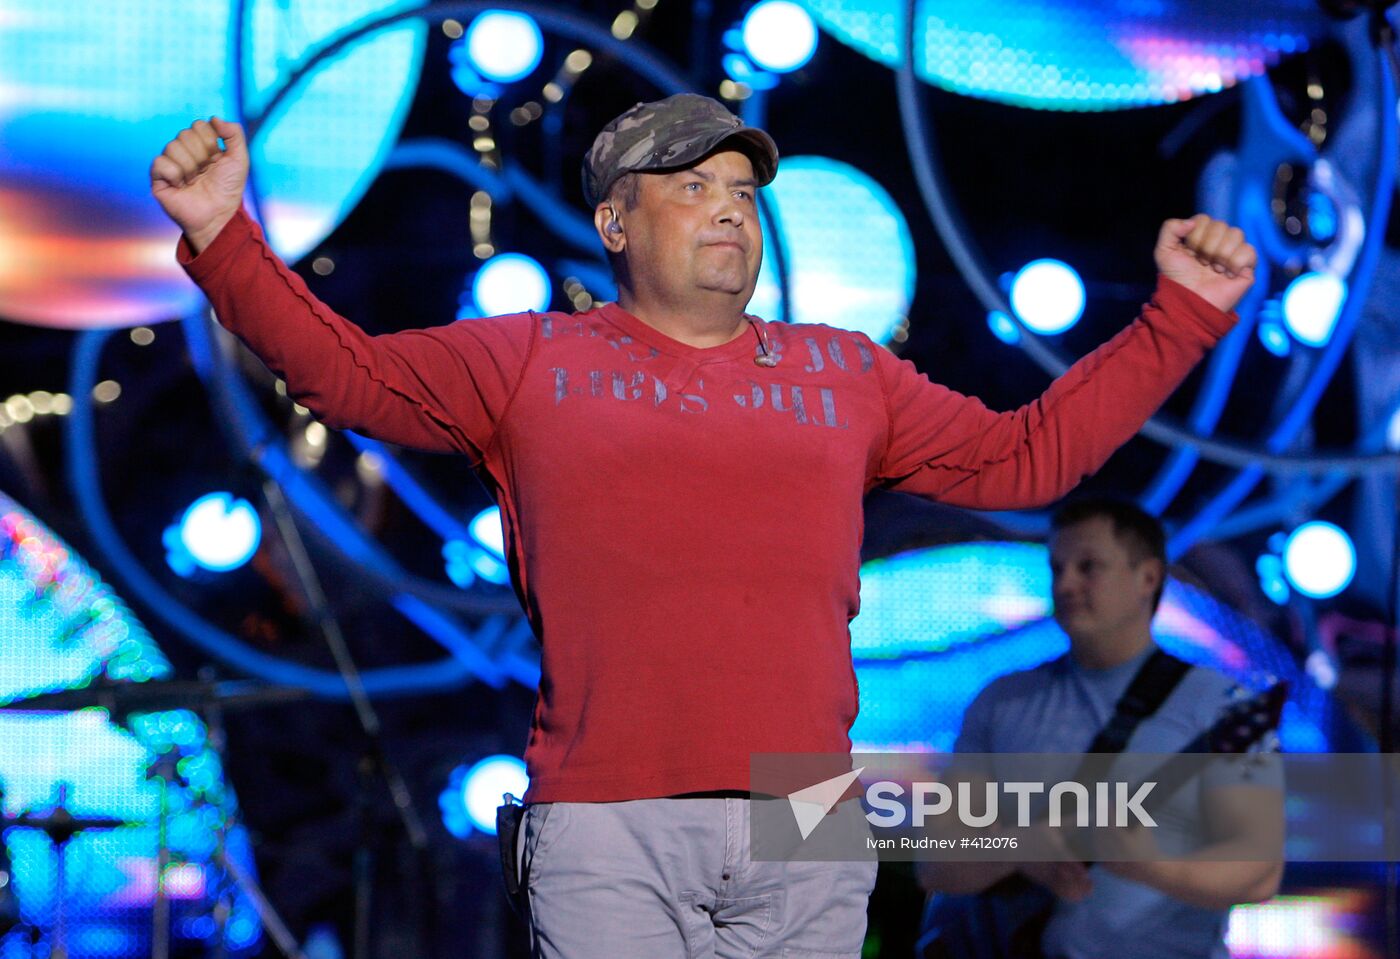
763, 152
754, 143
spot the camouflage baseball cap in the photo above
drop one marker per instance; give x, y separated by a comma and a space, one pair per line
670, 134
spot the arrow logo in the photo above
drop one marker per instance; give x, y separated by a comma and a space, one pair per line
810, 805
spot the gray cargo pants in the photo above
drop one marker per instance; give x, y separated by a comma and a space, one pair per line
673, 879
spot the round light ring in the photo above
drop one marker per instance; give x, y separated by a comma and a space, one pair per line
504, 46
219, 532
779, 35
1311, 305
1048, 296
1319, 559
486, 783
511, 283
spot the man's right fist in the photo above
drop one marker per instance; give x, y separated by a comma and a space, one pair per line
199, 184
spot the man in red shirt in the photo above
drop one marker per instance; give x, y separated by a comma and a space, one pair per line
681, 487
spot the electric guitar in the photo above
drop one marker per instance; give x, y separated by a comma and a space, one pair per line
1006, 920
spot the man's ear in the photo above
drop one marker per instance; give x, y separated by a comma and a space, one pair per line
1155, 572
609, 227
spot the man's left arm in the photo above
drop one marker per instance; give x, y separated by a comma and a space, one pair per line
1244, 821
950, 447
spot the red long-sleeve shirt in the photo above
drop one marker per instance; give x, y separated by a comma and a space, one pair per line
683, 525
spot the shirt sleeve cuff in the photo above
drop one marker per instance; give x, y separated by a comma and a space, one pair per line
1178, 301
238, 230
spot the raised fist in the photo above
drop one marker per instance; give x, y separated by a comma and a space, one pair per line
198, 183
1208, 256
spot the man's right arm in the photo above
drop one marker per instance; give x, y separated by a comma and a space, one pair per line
445, 388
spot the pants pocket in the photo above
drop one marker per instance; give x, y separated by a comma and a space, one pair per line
543, 823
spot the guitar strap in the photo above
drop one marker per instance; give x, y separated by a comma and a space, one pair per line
1149, 689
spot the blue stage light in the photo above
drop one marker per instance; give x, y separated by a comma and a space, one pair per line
457, 556
465, 76
489, 568
1003, 327
450, 805
1322, 669
737, 67
217, 533
488, 560
1274, 337
1322, 216
486, 529
1311, 305
1048, 296
1319, 559
849, 252
1269, 567
486, 783
779, 35
504, 46
741, 69
243, 931
510, 283
485, 556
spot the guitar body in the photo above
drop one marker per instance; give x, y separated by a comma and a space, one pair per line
1004, 922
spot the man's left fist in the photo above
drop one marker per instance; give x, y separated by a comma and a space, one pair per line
1209, 257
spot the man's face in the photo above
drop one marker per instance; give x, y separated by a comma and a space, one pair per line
696, 229
1101, 595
